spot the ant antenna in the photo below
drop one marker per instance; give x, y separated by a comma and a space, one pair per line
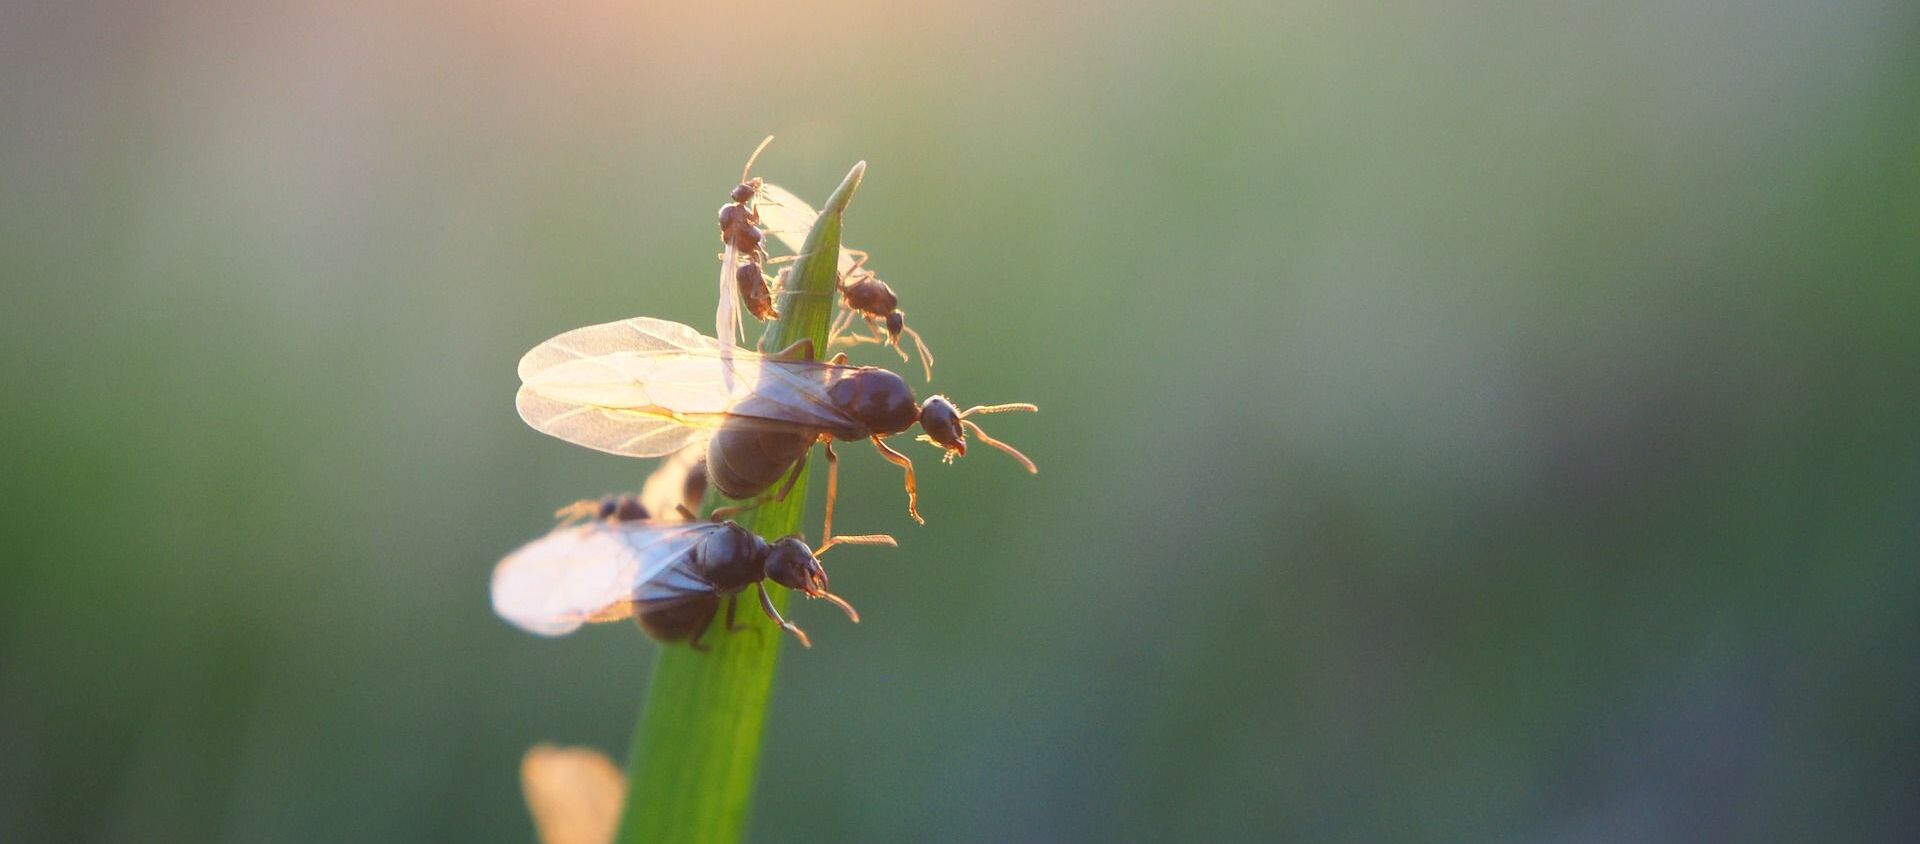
745, 171
856, 539
1010, 450
998, 408
984, 409
926, 357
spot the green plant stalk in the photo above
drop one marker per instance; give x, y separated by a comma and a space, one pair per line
697, 744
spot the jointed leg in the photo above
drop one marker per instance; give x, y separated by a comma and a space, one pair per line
859, 264
766, 604
919, 345
840, 324
802, 349
579, 511
827, 539
913, 490
833, 490
793, 477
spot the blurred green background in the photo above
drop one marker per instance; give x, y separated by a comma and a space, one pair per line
1476, 421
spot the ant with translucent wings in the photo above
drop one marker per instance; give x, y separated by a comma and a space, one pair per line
862, 294
610, 559
743, 282
647, 387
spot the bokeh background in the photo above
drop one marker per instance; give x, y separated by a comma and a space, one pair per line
1469, 421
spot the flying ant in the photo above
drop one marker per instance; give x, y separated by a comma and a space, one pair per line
740, 232
788, 218
649, 387
668, 576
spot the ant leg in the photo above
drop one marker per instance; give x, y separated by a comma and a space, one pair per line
913, 492
579, 511
919, 345
766, 604
733, 601
833, 489
879, 335
794, 476
685, 513
857, 539
827, 539
840, 324
696, 644
854, 340
802, 349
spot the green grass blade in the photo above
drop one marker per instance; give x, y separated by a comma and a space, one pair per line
697, 744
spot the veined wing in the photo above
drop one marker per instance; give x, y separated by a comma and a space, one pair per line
628, 335
727, 323
589, 572
646, 387
789, 218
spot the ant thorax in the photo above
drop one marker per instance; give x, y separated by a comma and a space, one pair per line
881, 400
870, 295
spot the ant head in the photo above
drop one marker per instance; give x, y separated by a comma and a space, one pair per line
627, 508
896, 322
747, 190
791, 563
880, 399
941, 420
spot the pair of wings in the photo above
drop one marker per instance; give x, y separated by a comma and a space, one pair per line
592, 572
646, 387
788, 218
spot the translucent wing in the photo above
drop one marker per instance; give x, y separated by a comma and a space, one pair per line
590, 572
628, 335
574, 793
726, 318
646, 387
789, 218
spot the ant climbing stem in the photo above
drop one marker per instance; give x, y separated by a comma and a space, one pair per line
755, 438
741, 233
